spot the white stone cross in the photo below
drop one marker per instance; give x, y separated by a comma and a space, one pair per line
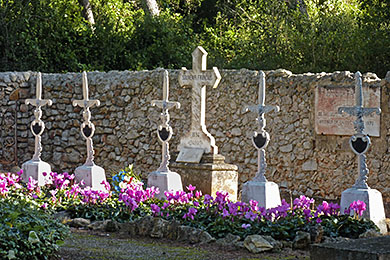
87, 128
360, 141
198, 138
259, 189
260, 139
164, 131
37, 126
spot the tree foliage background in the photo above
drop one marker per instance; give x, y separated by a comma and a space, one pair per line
298, 35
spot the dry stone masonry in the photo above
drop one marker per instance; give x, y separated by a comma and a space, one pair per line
298, 158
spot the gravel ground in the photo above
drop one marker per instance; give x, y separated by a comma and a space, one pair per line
84, 244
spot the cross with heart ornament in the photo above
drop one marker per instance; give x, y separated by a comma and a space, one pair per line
87, 127
164, 131
260, 139
360, 142
37, 126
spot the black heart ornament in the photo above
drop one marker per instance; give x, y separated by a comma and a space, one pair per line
87, 131
260, 140
164, 134
359, 145
37, 129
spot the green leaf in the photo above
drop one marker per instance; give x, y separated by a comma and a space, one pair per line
33, 237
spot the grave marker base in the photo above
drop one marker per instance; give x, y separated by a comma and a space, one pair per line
165, 181
212, 174
92, 175
373, 199
36, 169
266, 193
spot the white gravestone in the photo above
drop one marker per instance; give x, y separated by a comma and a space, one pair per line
259, 189
163, 178
198, 140
92, 174
360, 143
36, 167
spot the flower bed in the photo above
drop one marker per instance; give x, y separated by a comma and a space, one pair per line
130, 201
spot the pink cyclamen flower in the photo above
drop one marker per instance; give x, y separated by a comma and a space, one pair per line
245, 226
254, 205
106, 185
250, 215
198, 194
358, 206
225, 213
191, 213
32, 184
155, 209
190, 187
165, 205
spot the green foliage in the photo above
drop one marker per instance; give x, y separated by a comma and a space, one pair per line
346, 226
53, 36
28, 233
109, 209
41, 35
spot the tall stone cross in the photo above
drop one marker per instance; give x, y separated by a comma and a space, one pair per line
37, 126
360, 142
260, 139
87, 128
198, 140
164, 131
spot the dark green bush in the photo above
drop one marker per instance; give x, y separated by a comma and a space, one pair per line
28, 233
53, 36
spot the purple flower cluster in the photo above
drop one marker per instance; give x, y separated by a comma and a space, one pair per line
62, 187
191, 213
182, 197
59, 187
134, 194
328, 209
7, 181
358, 207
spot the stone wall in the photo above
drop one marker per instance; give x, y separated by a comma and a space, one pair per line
298, 159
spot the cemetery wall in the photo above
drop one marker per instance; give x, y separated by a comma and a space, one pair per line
298, 158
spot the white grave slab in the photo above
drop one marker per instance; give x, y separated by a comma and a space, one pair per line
190, 155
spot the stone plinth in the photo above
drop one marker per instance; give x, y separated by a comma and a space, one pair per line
365, 248
373, 198
212, 174
92, 175
36, 169
266, 193
164, 181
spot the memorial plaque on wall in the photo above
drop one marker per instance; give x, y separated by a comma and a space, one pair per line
329, 98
